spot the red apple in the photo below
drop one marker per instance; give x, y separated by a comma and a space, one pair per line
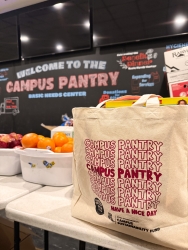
4, 144
14, 142
11, 143
6, 138
19, 136
13, 135
16, 136
2, 134
17, 143
10, 140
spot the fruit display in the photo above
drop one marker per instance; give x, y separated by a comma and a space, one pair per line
12, 140
59, 143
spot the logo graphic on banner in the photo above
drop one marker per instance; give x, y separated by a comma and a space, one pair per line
138, 60
3, 74
10, 106
112, 94
145, 80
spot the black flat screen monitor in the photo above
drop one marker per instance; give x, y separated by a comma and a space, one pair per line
9, 39
118, 21
55, 29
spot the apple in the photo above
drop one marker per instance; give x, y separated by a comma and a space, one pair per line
13, 143
1, 135
6, 141
19, 136
5, 138
16, 136
10, 140
13, 135
3, 144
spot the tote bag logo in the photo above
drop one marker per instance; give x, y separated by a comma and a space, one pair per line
129, 181
99, 207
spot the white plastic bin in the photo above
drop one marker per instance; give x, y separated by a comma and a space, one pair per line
45, 167
9, 162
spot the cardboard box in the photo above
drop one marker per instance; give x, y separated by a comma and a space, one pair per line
7, 236
176, 59
69, 131
176, 62
177, 76
49, 127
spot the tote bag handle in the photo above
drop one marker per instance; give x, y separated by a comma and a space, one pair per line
151, 100
102, 103
148, 99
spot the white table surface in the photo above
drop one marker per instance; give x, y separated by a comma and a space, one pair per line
49, 208
13, 187
2, 177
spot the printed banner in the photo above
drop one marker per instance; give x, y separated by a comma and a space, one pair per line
42, 92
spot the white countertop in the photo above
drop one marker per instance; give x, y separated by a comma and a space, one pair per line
13, 187
49, 208
2, 177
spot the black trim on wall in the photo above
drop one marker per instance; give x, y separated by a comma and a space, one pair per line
101, 49
30, 8
50, 56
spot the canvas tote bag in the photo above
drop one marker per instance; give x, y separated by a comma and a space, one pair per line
131, 170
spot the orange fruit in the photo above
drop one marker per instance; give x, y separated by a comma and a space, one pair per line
60, 140
70, 139
30, 140
46, 143
57, 134
67, 148
57, 150
71, 142
41, 137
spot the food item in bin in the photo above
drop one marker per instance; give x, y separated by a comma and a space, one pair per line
30, 140
14, 143
15, 140
60, 140
3, 144
4, 141
70, 139
41, 137
56, 134
16, 136
67, 148
46, 143
57, 150
11, 140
